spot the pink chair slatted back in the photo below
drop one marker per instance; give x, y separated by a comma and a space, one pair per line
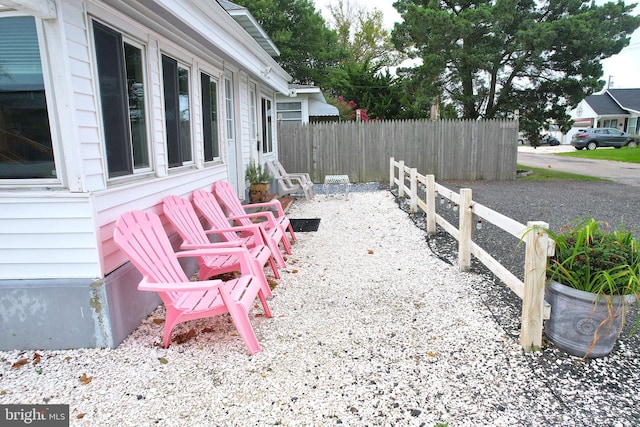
226, 195
181, 213
142, 238
208, 206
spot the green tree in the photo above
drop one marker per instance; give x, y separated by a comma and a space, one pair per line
362, 35
308, 48
371, 88
492, 58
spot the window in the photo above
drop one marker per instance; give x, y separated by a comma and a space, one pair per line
632, 125
290, 111
176, 111
228, 105
121, 85
613, 123
253, 115
25, 136
267, 122
209, 88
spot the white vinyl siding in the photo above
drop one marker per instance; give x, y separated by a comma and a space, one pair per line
65, 230
48, 237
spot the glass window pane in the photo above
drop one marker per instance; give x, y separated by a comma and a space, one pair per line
290, 106
210, 117
137, 113
228, 98
291, 115
185, 122
267, 122
25, 136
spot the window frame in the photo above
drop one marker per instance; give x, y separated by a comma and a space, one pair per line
126, 38
285, 113
213, 78
180, 63
229, 109
52, 115
267, 105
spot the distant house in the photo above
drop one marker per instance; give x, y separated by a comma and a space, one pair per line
305, 104
614, 108
108, 106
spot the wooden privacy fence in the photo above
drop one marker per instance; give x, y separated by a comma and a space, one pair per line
452, 149
537, 243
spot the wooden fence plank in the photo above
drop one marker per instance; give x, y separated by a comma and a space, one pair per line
448, 149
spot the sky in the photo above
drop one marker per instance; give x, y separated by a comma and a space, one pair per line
622, 70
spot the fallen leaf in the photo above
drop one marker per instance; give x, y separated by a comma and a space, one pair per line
20, 363
84, 379
431, 354
206, 330
3, 392
158, 321
272, 283
66, 359
163, 360
182, 338
36, 359
294, 271
80, 416
370, 251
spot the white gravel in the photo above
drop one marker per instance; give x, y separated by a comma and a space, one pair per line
368, 328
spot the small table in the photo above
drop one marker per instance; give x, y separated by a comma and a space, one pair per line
337, 179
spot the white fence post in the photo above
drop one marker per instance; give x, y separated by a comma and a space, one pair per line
392, 180
431, 204
466, 217
401, 179
535, 265
413, 177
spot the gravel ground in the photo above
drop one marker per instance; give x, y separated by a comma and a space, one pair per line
372, 326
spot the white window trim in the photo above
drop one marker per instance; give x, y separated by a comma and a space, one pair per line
52, 113
217, 76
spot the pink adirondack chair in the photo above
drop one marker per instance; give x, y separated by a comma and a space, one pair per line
208, 206
226, 195
183, 216
142, 238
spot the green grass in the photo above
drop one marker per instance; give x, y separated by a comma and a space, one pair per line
624, 154
540, 174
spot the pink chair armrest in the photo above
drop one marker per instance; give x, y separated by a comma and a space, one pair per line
193, 246
271, 219
179, 286
273, 203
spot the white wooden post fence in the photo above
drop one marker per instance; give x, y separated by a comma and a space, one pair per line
534, 236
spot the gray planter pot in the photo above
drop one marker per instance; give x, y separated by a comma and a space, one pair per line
582, 323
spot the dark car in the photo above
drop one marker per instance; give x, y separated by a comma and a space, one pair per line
603, 137
546, 140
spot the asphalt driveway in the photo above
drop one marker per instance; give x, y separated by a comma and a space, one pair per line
544, 157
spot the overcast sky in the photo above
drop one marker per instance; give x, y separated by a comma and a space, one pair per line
623, 69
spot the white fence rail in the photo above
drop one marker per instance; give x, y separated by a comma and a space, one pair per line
537, 243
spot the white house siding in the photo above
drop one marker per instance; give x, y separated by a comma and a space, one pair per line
145, 196
84, 95
56, 243
245, 121
47, 235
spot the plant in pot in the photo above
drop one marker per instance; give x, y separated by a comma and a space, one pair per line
259, 180
593, 279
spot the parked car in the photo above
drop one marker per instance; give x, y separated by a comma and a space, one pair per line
546, 140
603, 137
